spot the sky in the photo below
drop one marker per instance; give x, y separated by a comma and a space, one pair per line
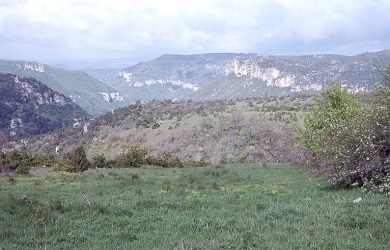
141, 30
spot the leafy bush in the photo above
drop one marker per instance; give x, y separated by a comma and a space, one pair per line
18, 161
134, 158
332, 131
202, 162
99, 161
77, 159
166, 160
348, 137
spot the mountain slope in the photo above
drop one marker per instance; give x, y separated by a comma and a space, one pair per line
92, 95
171, 76
28, 107
230, 76
221, 131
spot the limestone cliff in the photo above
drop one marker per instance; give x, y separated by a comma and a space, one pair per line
219, 76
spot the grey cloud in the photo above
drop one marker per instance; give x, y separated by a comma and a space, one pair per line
100, 28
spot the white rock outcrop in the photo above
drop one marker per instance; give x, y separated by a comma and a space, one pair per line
110, 97
127, 76
250, 67
34, 66
183, 84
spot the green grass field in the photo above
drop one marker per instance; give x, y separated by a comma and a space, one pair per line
254, 206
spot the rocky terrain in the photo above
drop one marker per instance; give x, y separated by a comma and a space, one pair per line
230, 76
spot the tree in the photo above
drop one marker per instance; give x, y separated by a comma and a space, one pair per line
78, 160
134, 158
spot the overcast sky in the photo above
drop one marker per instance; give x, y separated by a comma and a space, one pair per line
144, 29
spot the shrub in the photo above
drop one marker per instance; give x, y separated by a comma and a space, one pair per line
134, 158
77, 160
202, 162
99, 161
166, 160
332, 131
18, 161
348, 137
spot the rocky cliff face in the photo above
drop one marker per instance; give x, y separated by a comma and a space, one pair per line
34, 66
41, 97
251, 68
215, 76
170, 76
111, 97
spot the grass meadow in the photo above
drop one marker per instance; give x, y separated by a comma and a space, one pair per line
250, 206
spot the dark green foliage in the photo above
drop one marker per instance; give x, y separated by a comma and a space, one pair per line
18, 161
166, 160
99, 161
78, 161
28, 107
134, 158
21, 161
155, 125
138, 156
202, 162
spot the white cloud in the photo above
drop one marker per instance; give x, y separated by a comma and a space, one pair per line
124, 28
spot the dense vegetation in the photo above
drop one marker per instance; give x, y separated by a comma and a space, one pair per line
28, 107
349, 137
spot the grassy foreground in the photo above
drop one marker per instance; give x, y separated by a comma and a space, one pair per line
232, 207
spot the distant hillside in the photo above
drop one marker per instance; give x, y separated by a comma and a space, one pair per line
219, 131
92, 95
28, 107
230, 76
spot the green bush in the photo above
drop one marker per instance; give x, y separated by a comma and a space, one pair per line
332, 131
18, 161
134, 158
348, 137
166, 160
99, 161
64, 166
77, 159
202, 162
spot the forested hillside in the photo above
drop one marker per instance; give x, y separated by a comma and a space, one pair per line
29, 107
